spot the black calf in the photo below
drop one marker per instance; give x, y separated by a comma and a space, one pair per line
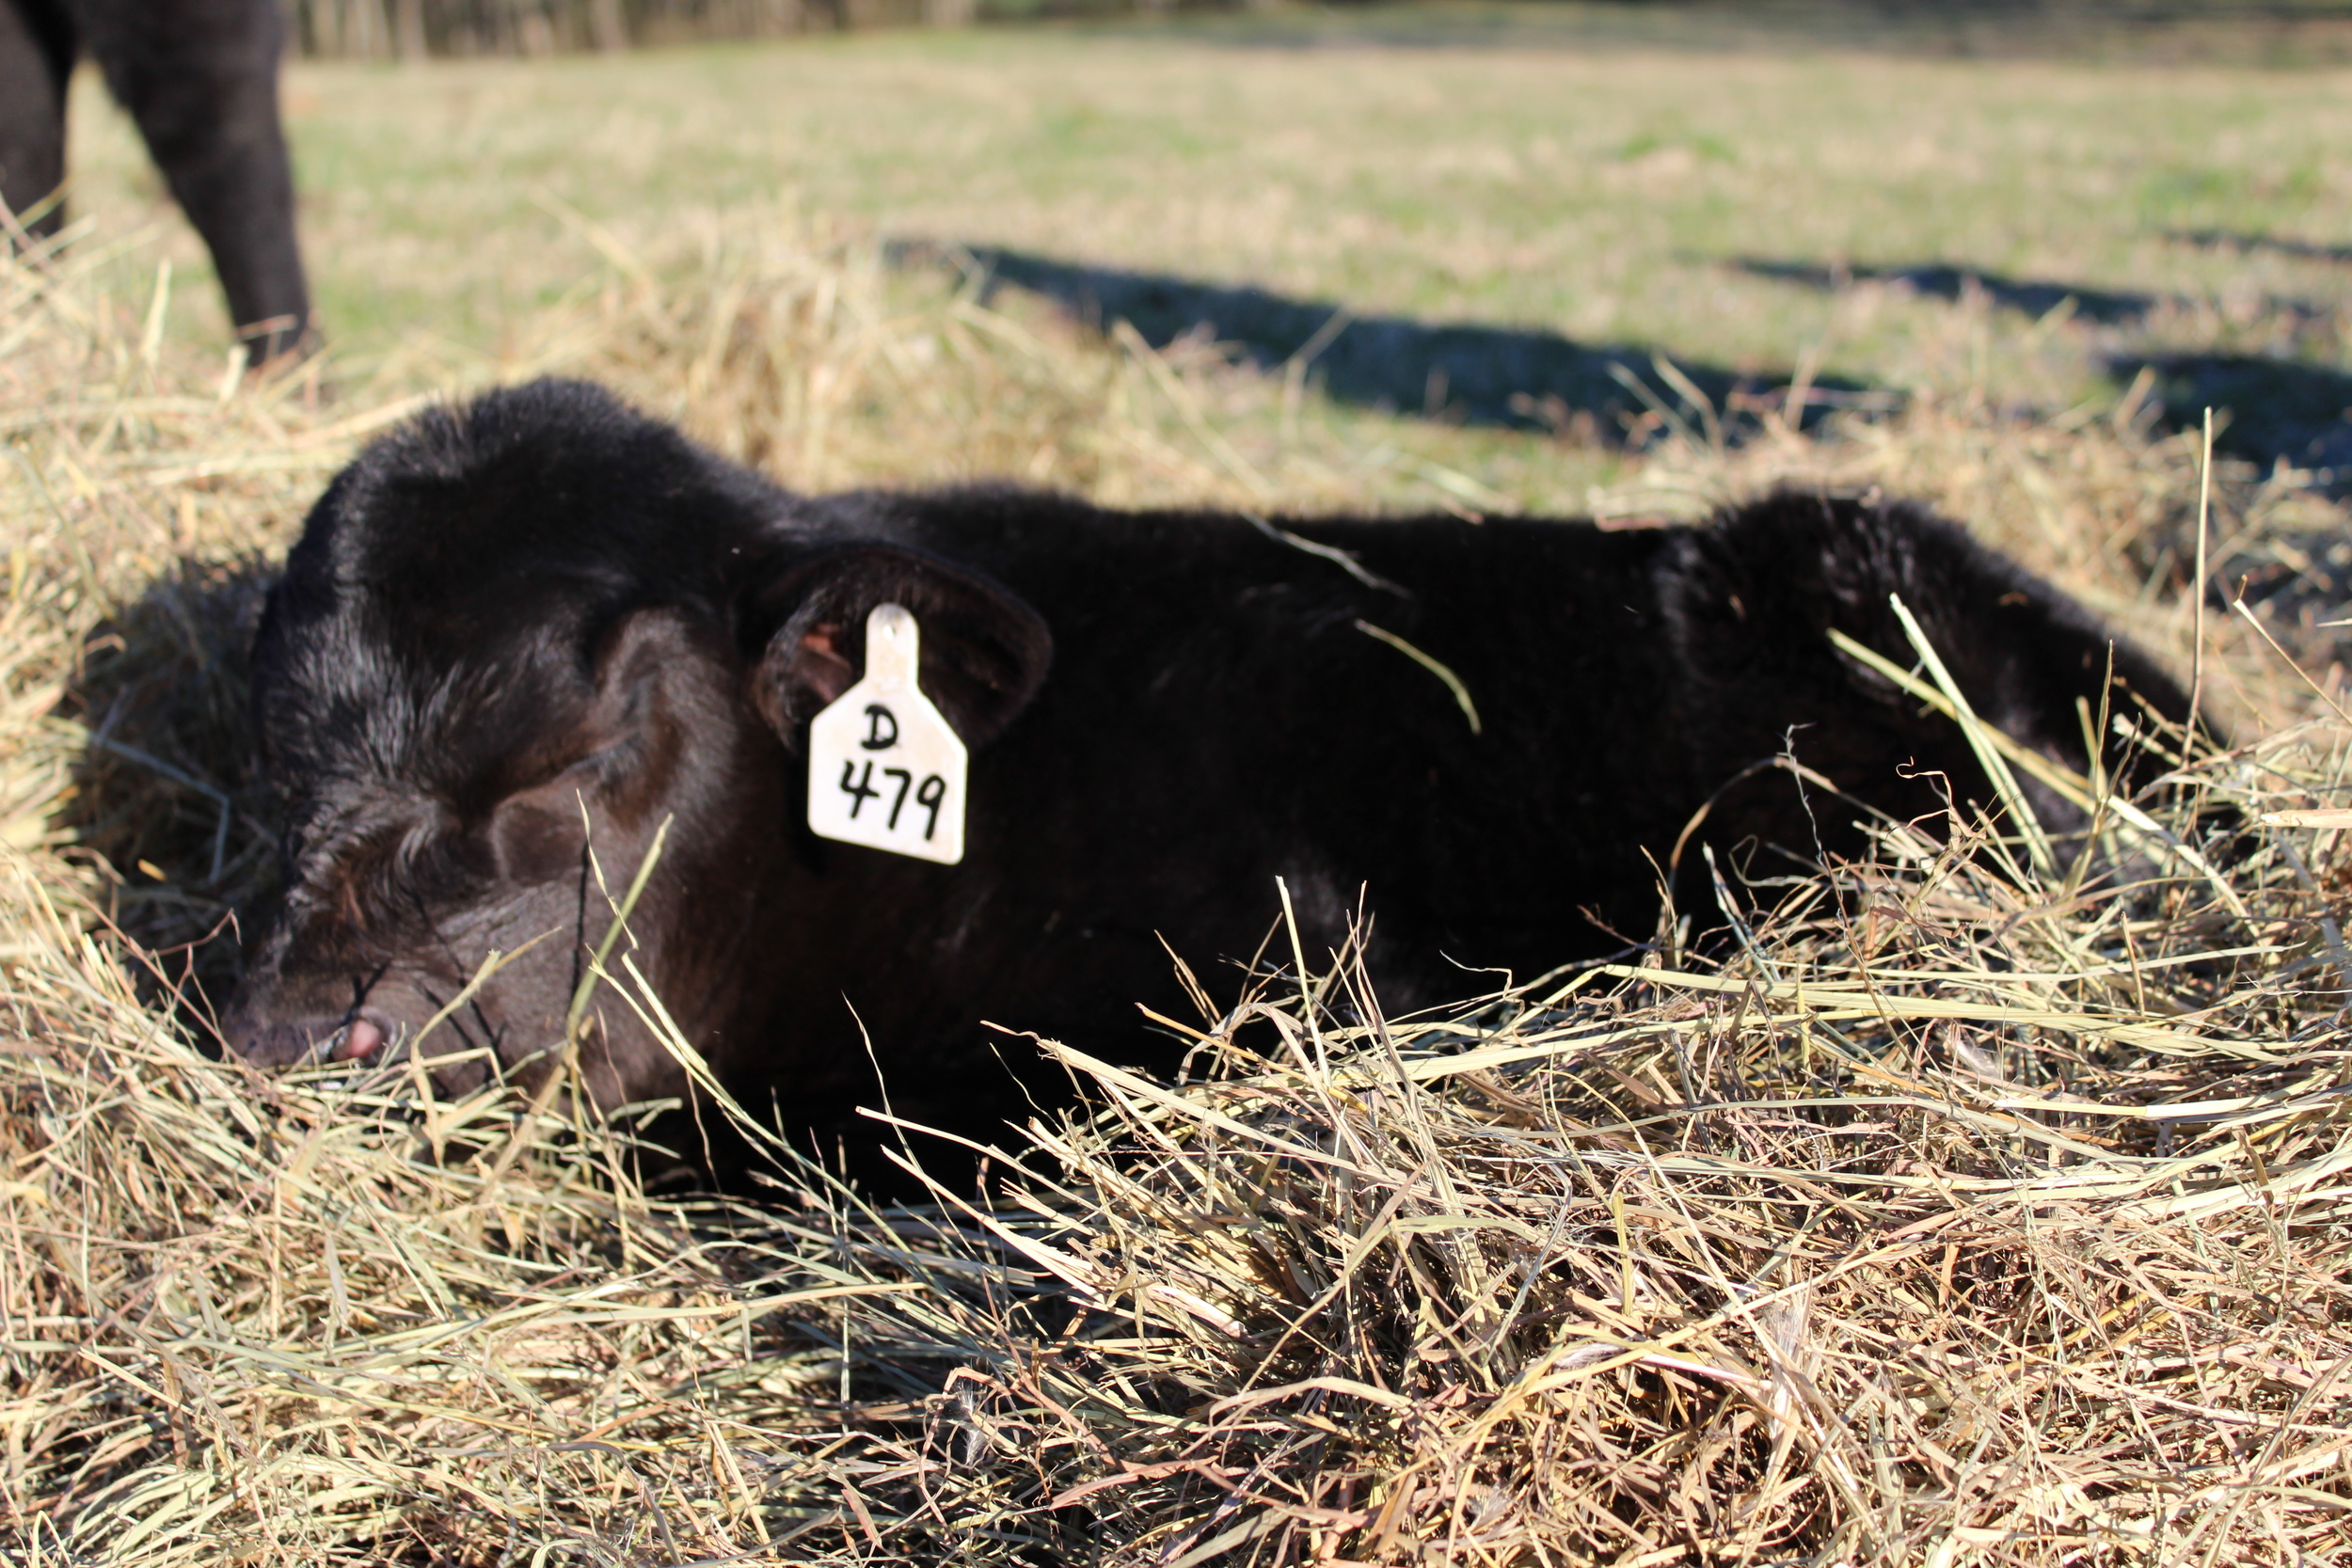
537, 628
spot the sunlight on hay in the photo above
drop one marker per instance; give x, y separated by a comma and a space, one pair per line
1959, 1213
804, 353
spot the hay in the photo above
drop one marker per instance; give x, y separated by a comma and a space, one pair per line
1960, 1215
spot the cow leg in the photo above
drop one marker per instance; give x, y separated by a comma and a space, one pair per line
36, 62
201, 78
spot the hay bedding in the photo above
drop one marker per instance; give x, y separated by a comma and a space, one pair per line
1968, 1212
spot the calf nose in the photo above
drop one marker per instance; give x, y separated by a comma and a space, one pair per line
281, 1042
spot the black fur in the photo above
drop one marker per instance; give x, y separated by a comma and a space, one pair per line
501, 612
201, 78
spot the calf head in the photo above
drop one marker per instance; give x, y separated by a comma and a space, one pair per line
519, 646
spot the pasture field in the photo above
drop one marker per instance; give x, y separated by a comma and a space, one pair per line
1971, 1208
1897, 225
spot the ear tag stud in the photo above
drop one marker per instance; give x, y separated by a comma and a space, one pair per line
884, 769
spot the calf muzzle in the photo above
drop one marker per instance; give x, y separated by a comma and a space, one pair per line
275, 1041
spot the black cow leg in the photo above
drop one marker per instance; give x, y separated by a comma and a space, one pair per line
36, 62
201, 78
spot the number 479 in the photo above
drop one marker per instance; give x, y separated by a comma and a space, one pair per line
859, 786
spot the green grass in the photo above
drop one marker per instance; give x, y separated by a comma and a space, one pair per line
1581, 178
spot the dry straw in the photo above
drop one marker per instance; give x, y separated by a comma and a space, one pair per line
1964, 1212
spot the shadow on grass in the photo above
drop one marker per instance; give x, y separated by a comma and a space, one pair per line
2032, 295
2279, 409
166, 792
2302, 250
1523, 377
2302, 319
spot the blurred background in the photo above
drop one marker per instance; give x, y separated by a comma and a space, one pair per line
1487, 217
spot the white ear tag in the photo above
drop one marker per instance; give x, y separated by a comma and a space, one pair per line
884, 769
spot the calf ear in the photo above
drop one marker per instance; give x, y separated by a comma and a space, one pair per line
984, 652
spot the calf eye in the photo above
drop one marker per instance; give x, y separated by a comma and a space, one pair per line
536, 840
609, 763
